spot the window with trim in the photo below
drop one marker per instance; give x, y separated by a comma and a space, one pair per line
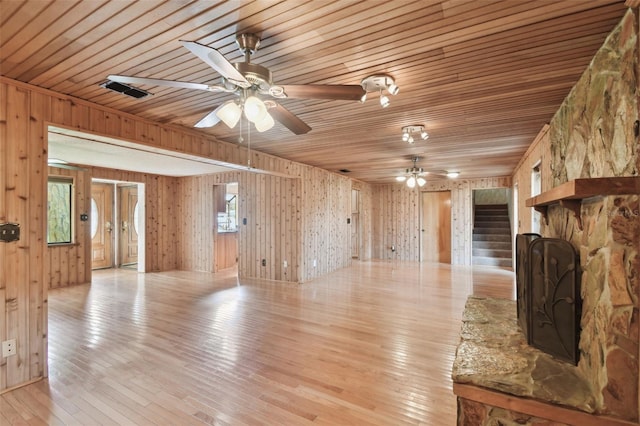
59, 210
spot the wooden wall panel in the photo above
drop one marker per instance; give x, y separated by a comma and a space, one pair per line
538, 151
396, 212
325, 231
22, 271
271, 207
70, 264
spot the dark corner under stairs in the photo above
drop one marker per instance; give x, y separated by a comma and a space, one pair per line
492, 236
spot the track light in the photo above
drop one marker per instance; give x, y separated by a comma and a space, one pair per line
409, 131
378, 83
384, 100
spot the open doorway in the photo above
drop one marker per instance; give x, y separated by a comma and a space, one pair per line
117, 225
226, 242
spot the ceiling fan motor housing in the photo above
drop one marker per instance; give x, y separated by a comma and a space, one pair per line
257, 75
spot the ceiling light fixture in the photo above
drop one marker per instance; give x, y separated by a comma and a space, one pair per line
409, 131
379, 83
255, 110
413, 176
417, 175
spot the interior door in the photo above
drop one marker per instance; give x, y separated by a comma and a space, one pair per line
101, 225
128, 202
436, 227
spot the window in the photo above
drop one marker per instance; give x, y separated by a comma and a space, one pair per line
59, 210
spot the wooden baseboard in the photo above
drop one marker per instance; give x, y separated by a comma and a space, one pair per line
20, 385
535, 408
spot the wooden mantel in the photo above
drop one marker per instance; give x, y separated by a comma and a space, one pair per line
570, 194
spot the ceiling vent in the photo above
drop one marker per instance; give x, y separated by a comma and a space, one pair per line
124, 89
344, 171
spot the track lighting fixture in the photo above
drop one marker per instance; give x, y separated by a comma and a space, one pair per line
409, 131
379, 83
384, 100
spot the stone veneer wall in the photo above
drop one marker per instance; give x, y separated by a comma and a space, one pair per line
592, 135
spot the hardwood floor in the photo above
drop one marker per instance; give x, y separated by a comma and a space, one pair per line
369, 344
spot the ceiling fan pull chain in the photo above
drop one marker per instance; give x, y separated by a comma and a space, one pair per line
249, 146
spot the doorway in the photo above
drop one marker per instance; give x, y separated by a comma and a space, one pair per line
117, 225
355, 224
436, 227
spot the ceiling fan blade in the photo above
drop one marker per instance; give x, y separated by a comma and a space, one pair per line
210, 119
348, 92
289, 120
159, 82
217, 61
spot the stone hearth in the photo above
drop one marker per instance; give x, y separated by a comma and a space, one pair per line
494, 357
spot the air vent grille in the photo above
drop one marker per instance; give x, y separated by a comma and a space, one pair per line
124, 89
344, 171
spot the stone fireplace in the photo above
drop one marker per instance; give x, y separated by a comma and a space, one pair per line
590, 163
548, 295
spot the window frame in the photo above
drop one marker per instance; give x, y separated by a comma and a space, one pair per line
67, 180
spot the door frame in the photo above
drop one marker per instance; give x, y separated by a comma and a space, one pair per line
141, 217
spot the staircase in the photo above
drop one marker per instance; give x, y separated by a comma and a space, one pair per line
492, 236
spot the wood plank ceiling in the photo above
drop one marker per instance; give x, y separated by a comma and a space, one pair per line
483, 76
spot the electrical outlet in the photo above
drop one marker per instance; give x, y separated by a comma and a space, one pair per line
9, 348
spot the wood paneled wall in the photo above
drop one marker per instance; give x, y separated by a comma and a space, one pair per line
70, 264
326, 233
23, 200
396, 217
538, 151
25, 113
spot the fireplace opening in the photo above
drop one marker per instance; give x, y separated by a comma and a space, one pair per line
549, 306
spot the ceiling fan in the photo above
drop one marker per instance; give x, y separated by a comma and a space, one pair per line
249, 82
417, 175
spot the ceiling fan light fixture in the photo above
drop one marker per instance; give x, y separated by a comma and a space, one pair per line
421, 181
265, 124
254, 109
411, 182
230, 114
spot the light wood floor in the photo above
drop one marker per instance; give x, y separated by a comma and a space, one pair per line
369, 344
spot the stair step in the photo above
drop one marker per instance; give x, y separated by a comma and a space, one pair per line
489, 261
492, 237
492, 217
495, 245
494, 230
492, 224
501, 254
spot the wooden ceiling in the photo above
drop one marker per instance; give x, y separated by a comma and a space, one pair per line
483, 76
